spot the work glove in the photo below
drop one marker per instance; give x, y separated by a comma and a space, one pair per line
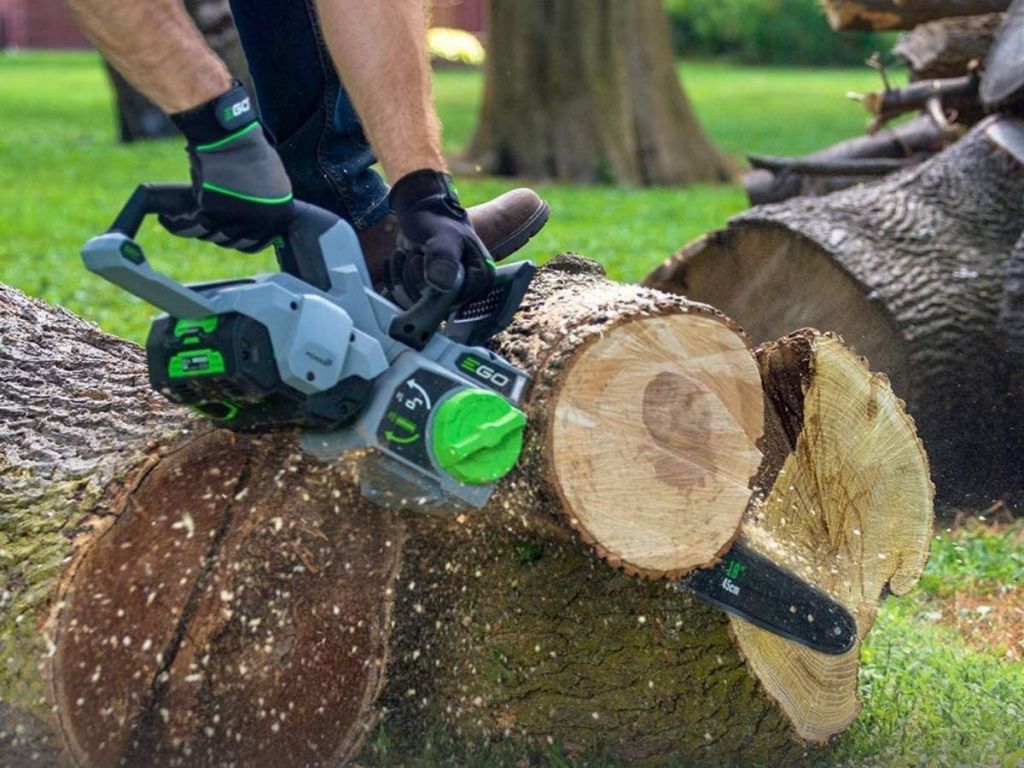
436, 244
243, 198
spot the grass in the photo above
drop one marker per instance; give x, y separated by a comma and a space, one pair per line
931, 697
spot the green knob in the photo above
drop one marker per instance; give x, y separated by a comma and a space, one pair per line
478, 436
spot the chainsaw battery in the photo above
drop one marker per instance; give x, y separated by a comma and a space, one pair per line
223, 366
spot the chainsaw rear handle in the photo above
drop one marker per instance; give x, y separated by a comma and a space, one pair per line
298, 252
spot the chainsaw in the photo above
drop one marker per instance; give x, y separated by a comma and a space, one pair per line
431, 413
314, 348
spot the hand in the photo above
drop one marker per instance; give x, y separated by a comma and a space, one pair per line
436, 244
242, 193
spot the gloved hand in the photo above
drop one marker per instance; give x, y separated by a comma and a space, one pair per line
436, 244
242, 193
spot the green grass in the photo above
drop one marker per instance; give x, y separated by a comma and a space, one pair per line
929, 698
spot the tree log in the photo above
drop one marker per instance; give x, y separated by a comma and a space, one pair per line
177, 595
911, 271
902, 14
946, 47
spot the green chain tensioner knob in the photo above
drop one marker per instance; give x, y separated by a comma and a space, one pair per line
478, 436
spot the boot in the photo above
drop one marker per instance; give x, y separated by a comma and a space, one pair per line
504, 224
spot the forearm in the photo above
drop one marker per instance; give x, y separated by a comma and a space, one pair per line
379, 49
157, 48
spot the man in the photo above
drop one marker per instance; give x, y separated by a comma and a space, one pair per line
242, 187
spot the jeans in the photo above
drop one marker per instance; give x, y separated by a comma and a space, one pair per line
307, 112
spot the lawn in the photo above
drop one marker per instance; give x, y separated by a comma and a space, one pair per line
943, 672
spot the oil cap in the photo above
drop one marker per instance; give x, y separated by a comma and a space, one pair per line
477, 436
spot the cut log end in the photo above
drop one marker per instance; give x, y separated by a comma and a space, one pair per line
850, 510
653, 441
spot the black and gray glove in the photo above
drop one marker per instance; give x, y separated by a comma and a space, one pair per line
242, 193
436, 244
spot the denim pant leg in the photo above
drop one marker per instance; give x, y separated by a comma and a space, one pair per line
306, 110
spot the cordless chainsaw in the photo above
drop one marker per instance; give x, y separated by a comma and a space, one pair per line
315, 348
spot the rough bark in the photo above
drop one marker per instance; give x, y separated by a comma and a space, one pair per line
895, 14
911, 271
138, 118
945, 47
588, 92
837, 165
176, 595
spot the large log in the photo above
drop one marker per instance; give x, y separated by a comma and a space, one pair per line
902, 14
176, 595
946, 47
911, 270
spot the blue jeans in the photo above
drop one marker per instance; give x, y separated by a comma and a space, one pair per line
307, 112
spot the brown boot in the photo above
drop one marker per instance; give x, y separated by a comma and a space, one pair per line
505, 224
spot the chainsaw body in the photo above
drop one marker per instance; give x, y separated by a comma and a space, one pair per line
315, 348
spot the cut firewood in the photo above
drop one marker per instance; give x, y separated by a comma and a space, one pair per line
177, 595
899, 14
910, 270
947, 47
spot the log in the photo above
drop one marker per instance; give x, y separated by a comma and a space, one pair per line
178, 595
837, 167
946, 47
910, 270
902, 14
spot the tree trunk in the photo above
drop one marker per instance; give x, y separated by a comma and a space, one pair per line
944, 48
588, 92
911, 271
177, 595
900, 14
140, 119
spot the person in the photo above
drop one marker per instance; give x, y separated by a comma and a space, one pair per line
413, 235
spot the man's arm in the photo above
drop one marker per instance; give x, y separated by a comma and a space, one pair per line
380, 51
157, 48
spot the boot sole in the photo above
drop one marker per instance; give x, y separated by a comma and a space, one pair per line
521, 236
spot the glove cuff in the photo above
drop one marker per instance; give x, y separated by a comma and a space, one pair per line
217, 118
413, 188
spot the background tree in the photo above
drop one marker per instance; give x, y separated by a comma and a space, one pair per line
587, 91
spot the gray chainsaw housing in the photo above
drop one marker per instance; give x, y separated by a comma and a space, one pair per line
321, 337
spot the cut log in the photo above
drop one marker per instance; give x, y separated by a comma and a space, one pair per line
900, 14
946, 47
910, 270
176, 595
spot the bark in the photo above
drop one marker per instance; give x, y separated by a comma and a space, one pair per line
588, 92
894, 14
176, 595
910, 142
911, 271
946, 47
140, 119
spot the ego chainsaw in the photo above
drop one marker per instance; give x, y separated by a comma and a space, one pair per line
316, 349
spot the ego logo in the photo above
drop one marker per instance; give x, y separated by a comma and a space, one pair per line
237, 109
485, 372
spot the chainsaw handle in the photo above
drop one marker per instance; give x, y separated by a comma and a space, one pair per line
416, 325
171, 199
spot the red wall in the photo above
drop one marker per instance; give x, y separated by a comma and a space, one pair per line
38, 24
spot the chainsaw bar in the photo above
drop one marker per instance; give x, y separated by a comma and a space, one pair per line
752, 587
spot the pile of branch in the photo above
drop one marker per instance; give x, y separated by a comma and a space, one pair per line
955, 66
176, 595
